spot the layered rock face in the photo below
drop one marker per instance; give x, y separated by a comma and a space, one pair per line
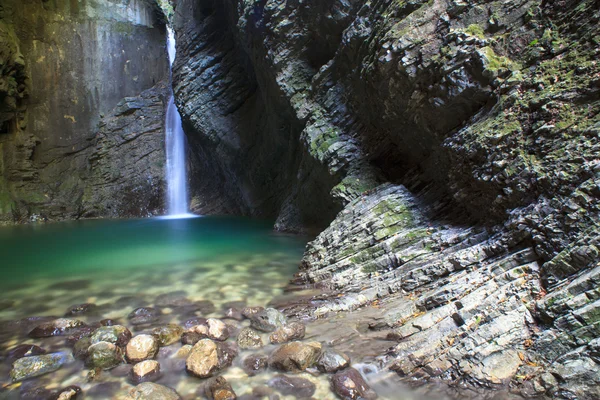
458, 138
65, 65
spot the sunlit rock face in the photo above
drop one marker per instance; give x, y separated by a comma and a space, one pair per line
68, 64
458, 138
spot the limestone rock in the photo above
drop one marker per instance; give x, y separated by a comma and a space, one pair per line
295, 356
145, 371
168, 334
153, 391
141, 347
288, 332
248, 338
208, 357
332, 361
349, 384
29, 367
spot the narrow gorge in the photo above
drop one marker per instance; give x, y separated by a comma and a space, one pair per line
399, 199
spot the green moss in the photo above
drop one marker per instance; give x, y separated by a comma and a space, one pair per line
495, 62
475, 30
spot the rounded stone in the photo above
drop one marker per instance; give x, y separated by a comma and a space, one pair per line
57, 327
213, 329
145, 371
254, 364
104, 355
168, 334
207, 358
292, 386
267, 320
288, 332
332, 361
295, 356
248, 338
349, 384
153, 391
115, 334
141, 347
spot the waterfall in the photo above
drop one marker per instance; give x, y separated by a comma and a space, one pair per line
177, 200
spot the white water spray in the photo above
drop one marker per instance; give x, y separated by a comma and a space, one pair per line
177, 197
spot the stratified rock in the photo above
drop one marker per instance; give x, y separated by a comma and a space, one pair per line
116, 334
213, 329
80, 309
173, 299
267, 320
350, 385
143, 315
288, 332
292, 386
24, 350
57, 327
145, 371
29, 367
208, 357
254, 364
104, 355
141, 347
68, 393
295, 356
218, 388
168, 334
153, 391
332, 361
248, 338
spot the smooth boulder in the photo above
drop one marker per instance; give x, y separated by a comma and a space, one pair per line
56, 327
208, 357
30, 367
115, 334
153, 391
141, 347
350, 385
145, 371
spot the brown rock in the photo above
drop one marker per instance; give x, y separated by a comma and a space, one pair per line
349, 385
254, 364
219, 389
213, 329
248, 338
141, 347
57, 327
168, 334
288, 332
295, 356
208, 357
145, 371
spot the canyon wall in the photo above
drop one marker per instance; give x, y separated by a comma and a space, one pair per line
68, 69
453, 147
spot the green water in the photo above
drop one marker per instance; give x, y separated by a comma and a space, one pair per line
114, 246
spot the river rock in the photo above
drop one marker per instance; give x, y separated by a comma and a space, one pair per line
168, 334
145, 371
254, 364
115, 334
249, 312
80, 309
24, 350
208, 357
29, 367
173, 299
233, 313
218, 388
332, 361
213, 329
80, 349
143, 315
141, 347
153, 391
68, 393
248, 338
104, 355
56, 327
267, 320
288, 332
349, 385
191, 338
190, 323
80, 333
292, 386
295, 356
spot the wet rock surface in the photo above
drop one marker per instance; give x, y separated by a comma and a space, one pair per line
57, 327
292, 386
104, 355
267, 320
295, 356
255, 364
145, 371
30, 367
288, 332
332, 361
207, 358
153, 391
219, 389
141, 347
167, 335
248, 338
350, 385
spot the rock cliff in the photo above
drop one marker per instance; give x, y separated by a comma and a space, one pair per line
457, 142
64, 66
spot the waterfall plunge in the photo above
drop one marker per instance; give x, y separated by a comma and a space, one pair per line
177, 200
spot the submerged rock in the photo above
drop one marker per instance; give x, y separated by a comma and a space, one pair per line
332, 361
145, 371
141, 347
104, 355
168, 334
68, 393
80, 349
295, 356
29, 367
248, 338
350, 385
288, 332
292, 386
116, 334
208, 357
57, 327
191, 338
267, 320
219, 389
255, 363
173, 299
153, 391
24, 350
233, 313
80, 309
143, 315
213, 329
